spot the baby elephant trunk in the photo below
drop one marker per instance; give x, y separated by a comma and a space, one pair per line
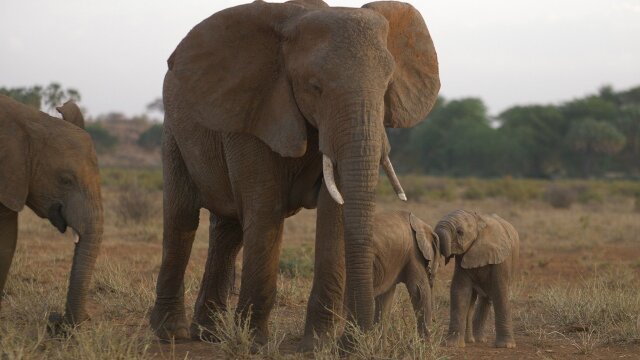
445, 242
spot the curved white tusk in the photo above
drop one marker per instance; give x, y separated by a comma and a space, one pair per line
76, 236
329, 180
393, 178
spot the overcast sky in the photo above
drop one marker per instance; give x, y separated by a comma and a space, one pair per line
506, 52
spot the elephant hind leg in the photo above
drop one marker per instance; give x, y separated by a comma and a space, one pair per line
225, 240
469, 335
181, 217
8, 239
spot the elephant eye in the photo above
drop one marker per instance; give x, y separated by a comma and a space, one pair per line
460, 232
66, 179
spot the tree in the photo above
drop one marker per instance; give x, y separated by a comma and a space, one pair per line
156, 105
592, 138
151, 138
31, 96
103, 140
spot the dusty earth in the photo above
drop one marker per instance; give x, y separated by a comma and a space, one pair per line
561, 249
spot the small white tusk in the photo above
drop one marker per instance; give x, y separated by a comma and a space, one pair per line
393, 178
76, 236
329, 180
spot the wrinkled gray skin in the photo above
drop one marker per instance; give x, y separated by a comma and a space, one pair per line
405, 250
255, 97
486, 249
50, 165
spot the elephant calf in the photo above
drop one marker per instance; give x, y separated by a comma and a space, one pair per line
405, 250
486, 249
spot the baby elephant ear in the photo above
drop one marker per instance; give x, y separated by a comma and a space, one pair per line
422, 238
71, 113
493, 245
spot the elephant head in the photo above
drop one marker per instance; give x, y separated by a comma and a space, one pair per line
482, 240
50, 165
428, 244
283, 71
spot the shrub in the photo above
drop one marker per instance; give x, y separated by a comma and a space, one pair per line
560, 197
135, 205
103, 140
151, 138
297, 261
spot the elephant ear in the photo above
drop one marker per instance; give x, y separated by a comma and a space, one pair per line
71, 113
14, 182
230, 67
492, 246
415, 83
422, 239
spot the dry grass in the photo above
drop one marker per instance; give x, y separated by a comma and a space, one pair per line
577, 291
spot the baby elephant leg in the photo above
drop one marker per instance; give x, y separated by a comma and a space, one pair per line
504, 326
483, 308
468, 336
383, 304
461, 291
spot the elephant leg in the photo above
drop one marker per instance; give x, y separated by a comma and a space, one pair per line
461, 292
262, 240
469, 328
326, 299
420, 293
504, 326
181, 216
384, 302
225, 240
8, 239
483, 308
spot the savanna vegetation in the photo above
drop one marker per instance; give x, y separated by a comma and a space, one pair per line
576, 292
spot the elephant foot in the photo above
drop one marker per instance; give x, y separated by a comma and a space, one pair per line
481, 338
169, 324
204, 331
469, 339
62, 325
505, 343
455, 340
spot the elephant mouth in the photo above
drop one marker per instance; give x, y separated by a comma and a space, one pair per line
55, 217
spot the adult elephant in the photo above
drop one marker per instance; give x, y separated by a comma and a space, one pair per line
260, 101
50, 165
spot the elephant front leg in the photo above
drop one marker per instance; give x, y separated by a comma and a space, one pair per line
480, 318
326, 299
225, 240
262, 239
470, 313
383, 305
461, 291
420, 293
8, 238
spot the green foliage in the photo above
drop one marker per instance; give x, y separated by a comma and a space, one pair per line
52, 95
297, 261
31, 96
147, 179
595, 135
151, 138
103, 140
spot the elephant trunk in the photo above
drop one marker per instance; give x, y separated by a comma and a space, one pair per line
444, 236
358, 168
86, 251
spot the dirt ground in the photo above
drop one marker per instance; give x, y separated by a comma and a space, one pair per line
562, 252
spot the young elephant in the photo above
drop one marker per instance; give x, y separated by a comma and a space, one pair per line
486, 250
405, 250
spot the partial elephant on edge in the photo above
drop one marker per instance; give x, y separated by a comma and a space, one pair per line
486, 249
50, 165
262, 102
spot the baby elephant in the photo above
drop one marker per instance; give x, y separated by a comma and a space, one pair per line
405, 251
486, 250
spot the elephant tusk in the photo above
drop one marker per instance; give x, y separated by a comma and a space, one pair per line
329, 180
393, 178
76, 236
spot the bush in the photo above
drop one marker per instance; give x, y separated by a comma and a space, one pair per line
297, 261
560, 197
103, 140
135, 205
151, 138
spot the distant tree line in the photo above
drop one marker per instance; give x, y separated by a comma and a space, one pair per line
594, 136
